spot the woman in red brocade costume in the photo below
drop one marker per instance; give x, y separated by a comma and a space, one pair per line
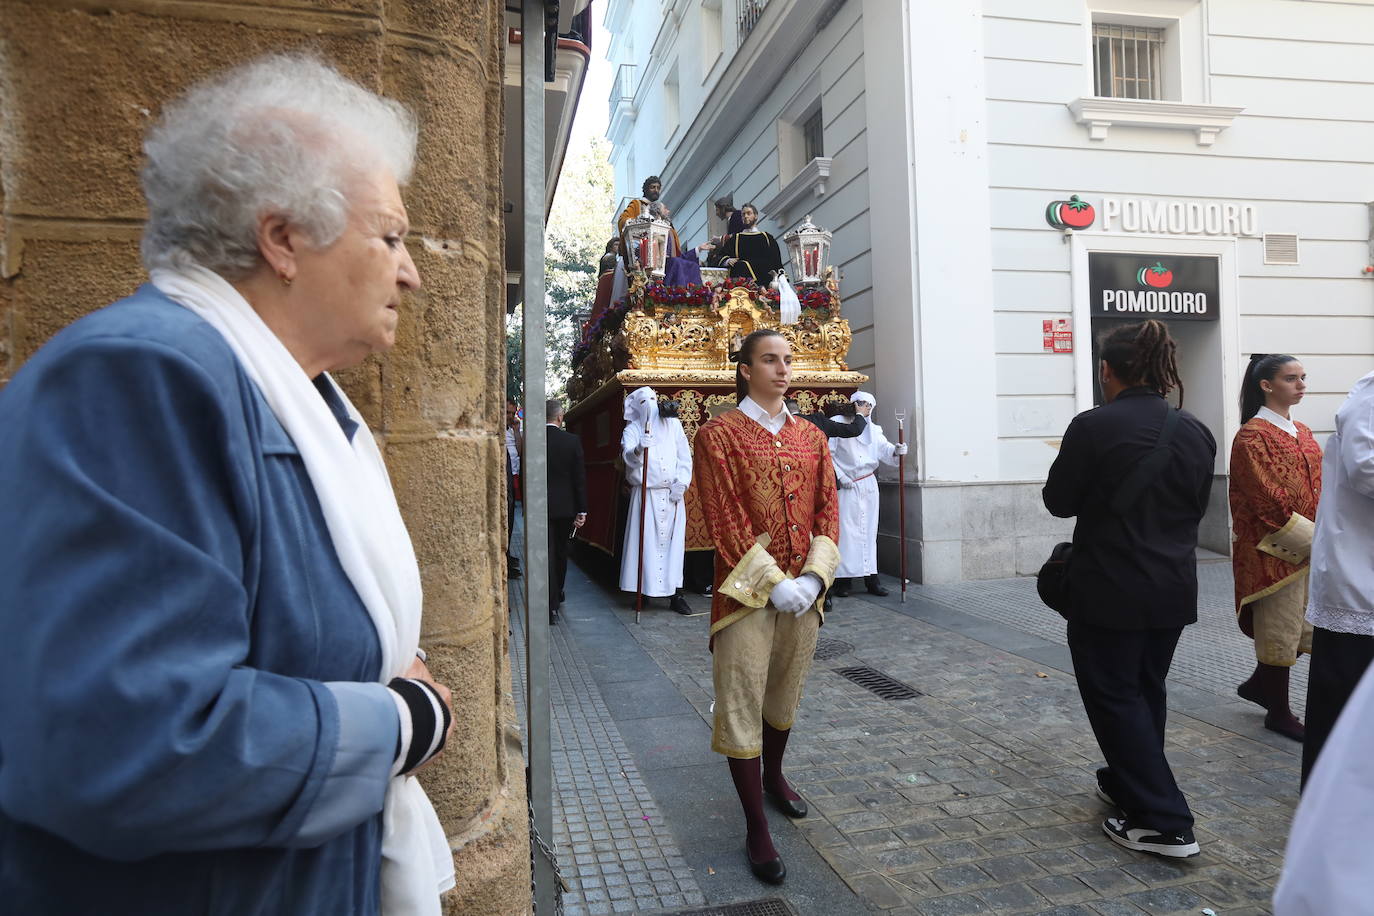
767, 490
1276, 481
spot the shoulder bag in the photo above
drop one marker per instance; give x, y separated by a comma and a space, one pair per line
1052, 582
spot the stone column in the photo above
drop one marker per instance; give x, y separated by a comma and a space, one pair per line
79, 83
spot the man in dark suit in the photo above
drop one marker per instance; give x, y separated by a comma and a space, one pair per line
1132, 580
567, 500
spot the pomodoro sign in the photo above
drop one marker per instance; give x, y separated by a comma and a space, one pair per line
1179, 217
1140, 286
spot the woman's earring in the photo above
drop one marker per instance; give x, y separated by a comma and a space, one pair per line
285, 280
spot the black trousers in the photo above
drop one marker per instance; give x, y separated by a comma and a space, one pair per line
699, 570
559, 529
1121, 680
1339, 661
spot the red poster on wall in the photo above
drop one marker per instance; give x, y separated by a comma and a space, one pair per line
1057, 335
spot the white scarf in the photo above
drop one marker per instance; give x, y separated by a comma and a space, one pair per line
372, 544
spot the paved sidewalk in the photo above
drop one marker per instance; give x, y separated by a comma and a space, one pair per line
976, 796
614, 848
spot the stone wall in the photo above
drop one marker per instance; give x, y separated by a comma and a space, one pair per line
79, 82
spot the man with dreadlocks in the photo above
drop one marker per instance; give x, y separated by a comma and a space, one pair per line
1137, 474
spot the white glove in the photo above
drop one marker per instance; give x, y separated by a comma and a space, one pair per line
796, 596
675, 493
899, 449
845, 482
645, 440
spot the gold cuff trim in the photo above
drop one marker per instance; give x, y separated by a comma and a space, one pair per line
823, 559
1292, 543
736, 753
1271, 590
752, 580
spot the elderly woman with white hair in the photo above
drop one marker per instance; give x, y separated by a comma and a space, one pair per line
211, 691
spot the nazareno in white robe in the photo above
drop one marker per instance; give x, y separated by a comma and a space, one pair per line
665, 531
857, 460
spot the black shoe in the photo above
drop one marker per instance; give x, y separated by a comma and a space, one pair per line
679, 604
1103, 774
1145, 839
553, 618
875, 587
841, 588
707, 592
786, 805
771, 872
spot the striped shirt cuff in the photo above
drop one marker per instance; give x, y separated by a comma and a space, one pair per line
424, 723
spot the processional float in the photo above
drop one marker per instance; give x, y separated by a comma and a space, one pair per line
678, 340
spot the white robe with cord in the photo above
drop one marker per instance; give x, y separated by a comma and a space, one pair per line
856, 461
665, 531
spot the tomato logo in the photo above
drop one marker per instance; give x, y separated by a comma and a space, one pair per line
1157, 277
1070, 214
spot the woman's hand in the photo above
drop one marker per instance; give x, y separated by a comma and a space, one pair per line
419, 671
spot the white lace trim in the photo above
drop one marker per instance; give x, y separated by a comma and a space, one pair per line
1341, 619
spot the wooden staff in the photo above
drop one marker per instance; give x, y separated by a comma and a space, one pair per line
901, 498
643, 505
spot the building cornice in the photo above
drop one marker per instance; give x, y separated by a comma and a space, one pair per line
1100, 114
809, 185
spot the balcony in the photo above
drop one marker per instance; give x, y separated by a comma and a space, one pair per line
623, 90
750, 12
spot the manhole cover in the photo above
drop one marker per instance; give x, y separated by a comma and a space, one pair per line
875, 681
772, 906
832, 648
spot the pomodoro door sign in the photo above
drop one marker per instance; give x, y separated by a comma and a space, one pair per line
1179, 217
1140, 286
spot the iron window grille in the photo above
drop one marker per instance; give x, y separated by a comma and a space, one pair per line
1127, 61
813, 137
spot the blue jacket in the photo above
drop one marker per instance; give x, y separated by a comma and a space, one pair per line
189, 716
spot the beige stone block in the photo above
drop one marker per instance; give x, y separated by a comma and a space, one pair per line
464, 25
464, 781
63, 280
446, 488
49, 55
457, 170
490, 879
363, 385
445, 372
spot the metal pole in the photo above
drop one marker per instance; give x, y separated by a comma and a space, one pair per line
535, 464
901, 498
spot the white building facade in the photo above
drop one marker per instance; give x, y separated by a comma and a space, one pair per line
1224, 150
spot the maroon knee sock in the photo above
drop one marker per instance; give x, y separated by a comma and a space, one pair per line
759, 842
774, 746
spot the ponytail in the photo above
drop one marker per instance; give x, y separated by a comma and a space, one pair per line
1144, 354
1263, 367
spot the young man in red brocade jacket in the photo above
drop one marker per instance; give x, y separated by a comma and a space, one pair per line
767, 489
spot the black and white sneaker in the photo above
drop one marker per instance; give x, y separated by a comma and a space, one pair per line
1102, 792
1146, 839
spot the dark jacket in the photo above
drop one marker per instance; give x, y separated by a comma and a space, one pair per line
1137, 571
835, 430
567, 474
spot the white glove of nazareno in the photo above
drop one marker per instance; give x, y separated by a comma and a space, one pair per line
899, 449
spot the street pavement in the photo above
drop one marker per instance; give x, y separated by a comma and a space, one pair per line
973, 797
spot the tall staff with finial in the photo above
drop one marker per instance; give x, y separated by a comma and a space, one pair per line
643, 511
901, 496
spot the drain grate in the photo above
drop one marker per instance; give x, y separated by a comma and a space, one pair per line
874, 680
771, 906
832, 648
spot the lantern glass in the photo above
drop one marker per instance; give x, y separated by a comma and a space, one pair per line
809, 251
